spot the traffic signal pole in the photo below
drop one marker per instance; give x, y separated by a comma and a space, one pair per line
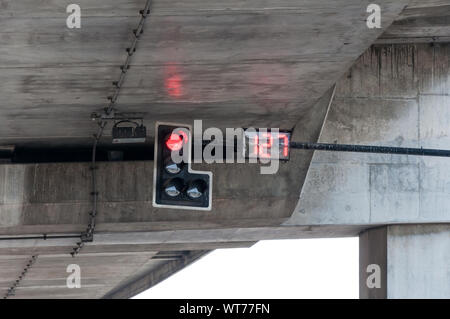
370, 149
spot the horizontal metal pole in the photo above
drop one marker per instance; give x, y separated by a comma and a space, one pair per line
370, 149
43, 237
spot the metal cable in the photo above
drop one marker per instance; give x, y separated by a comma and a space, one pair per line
370, 149
12, 290
43, 237
88, 235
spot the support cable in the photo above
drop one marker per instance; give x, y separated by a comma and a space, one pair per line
12, 290
43, 237
88, 235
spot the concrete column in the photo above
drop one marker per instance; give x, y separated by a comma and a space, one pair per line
405, 261
372, 251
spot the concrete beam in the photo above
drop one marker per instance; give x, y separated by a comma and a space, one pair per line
35, 198
212, 237
420, 23
253, 63
137, 284
395, 95
275, 61
373, 251
26, 248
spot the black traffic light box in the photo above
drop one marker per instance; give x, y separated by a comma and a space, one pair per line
175, 184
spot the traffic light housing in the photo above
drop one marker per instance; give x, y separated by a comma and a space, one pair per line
175, 184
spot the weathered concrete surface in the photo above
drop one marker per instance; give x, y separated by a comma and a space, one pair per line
36, 197
140, 282
394, 95
169, 240
252, 64
420, 23
233, 64
367, 190
218, 60
100, 272
414, 261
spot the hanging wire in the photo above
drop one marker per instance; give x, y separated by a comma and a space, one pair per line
12, 290
88, 235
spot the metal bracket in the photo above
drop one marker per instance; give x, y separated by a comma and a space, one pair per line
117, 116
87, 237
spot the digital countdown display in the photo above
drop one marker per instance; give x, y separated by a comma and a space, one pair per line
267, 145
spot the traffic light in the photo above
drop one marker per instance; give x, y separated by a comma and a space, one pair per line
175, 184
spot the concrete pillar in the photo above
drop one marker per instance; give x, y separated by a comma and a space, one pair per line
372, 251
405, 261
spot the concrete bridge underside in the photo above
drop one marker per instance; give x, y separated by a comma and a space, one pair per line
265, 64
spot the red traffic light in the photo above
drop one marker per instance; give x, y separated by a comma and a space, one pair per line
176, 185
175, 140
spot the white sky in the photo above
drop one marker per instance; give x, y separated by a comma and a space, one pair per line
301, 268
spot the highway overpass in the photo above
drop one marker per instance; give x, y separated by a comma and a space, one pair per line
312, 67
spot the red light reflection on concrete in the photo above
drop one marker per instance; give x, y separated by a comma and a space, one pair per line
172, 81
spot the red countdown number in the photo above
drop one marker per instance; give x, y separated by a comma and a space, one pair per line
264, 149
285, 143
261, 143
